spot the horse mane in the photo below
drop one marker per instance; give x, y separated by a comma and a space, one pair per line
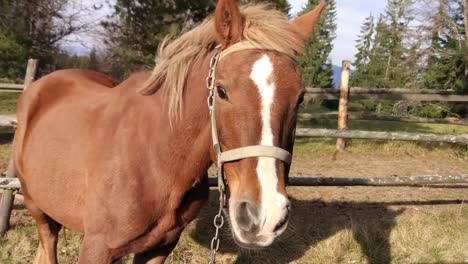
264, 27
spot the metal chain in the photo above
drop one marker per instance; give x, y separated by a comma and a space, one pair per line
218, 220
210, 80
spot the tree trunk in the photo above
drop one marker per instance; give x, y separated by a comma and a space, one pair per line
387, 70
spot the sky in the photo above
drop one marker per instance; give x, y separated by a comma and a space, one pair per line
350, 16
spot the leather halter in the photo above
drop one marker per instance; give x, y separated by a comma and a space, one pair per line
242, 152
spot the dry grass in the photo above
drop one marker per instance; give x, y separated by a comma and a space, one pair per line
357, 233
342, 227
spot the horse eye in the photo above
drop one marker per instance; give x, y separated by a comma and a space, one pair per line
222, 92
301, 99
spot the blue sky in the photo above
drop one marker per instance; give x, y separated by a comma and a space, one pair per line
351, 14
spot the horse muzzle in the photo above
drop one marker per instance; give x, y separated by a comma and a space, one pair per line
255, 227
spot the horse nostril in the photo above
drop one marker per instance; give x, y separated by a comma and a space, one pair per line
247, 216
284, 220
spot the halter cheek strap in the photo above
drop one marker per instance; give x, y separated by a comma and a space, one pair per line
242, 152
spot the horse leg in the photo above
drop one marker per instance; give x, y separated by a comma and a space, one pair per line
48, 230
155, 256
94, 250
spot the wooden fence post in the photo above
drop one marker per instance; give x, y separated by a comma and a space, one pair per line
6, 204
343, 104
30, 73
8, 197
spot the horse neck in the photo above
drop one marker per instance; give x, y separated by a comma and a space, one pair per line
191, 141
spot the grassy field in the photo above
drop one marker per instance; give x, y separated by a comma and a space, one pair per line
328, 224
8, 102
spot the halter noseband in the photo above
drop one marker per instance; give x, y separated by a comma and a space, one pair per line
242, 152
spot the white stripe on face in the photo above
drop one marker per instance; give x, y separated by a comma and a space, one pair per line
273, 202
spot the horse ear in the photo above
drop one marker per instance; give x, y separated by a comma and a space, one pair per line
228, 23
305, 24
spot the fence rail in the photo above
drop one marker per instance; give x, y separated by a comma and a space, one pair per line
333, 133
7, 124
426, 95
405, 119
14, 183
8, 87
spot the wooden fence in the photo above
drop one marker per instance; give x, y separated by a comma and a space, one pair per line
426, 95
6, 203
376, 117
28, 79
8, 87
10, 184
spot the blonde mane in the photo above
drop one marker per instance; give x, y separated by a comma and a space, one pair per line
264, 27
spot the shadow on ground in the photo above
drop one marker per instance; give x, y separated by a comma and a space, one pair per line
312, 222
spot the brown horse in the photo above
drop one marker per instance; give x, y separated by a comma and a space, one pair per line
126, 166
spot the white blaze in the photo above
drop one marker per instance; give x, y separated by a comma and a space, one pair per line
273, 202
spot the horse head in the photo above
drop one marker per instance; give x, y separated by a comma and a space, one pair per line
257, 93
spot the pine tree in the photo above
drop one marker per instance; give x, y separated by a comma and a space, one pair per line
137, 27
364, 46
386, 64
378, 58
398, 15
446, 65
315, 64
93, 63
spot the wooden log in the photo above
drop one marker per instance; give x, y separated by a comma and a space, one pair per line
331, 133
378, 181
365, 116
7, 199
343, 104
10, 182
334, 181
426, 95
359, 90
372, 181
7, 124
8, 87
30, 73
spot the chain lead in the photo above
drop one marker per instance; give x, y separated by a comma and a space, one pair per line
210, 80
218, 220
218, 223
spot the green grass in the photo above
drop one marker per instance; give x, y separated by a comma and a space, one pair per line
5, 149
389, 126
308, 147
8, 102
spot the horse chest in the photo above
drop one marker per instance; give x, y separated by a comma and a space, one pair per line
168, 221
